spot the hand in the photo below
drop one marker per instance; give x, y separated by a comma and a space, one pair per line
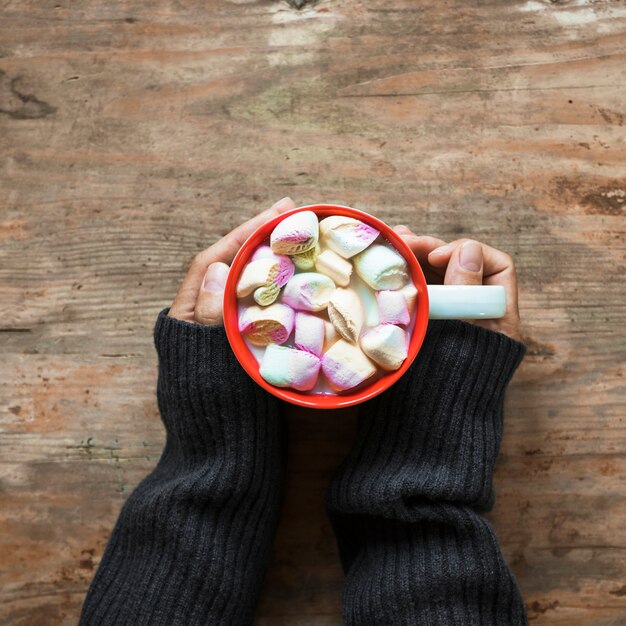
469, 262
200, 296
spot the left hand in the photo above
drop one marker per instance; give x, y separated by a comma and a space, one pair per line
199, 298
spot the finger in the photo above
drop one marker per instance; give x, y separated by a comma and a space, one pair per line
507, 277
466, 265
498, 269
228, 246
421, 246
224, 251
401, 229
208, 309
283, 205
494, 260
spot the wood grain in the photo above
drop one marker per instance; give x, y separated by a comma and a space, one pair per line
134, 134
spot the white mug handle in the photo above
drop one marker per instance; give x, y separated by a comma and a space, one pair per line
466, 302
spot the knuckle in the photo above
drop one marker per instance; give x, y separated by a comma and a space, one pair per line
508, 259
197, 260
207, 312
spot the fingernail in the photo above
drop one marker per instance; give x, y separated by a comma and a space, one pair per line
401, 228
440, 249
471, 257
281, 204
215, 277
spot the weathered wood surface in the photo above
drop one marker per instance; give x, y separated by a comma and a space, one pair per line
132, 134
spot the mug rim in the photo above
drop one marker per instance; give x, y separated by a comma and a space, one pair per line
323, 401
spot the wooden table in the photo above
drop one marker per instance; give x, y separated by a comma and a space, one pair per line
133, 134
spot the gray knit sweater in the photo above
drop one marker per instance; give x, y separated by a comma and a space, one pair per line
191, 544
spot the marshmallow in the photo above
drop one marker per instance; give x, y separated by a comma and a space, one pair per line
409, 291
272, 324
345, 366
263, 252
382, 267
346, 313
386, 345
266, 295
330, 335
392, 308
306, 260
345, 235
259, 273
308, 291
335, 267
309, 333
285, 267
368, 299
287, 367
295, 234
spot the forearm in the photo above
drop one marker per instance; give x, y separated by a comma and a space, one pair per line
405, 502
191, 542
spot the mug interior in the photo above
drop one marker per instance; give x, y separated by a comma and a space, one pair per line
321, 401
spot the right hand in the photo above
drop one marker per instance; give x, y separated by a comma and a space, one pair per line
469, 262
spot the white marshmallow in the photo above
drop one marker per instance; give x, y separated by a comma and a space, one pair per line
287, 367
285, 268
345, 235
345, 311
295, 234
306, 261
330, 335
263, 252
259, 273
386, 345
392, 308
309, 333
264, 325
382, 267
409, 291
368, 298
335, 267
308, 291
345, 366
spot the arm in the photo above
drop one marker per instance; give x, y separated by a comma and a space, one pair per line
405, 504
191, 543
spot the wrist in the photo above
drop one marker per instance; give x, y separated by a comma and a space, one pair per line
201, 384
466, 360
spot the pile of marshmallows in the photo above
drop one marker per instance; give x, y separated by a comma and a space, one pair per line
327, 314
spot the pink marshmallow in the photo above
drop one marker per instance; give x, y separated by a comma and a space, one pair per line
310, 333
264, 325
392, 307
288, 367
345, 366
386, 345
295, 234
285, 268
308, 291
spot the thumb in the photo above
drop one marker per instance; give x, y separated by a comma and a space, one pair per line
466, 265
208, 308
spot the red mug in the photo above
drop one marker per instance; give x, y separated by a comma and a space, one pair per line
450, 298
323, 401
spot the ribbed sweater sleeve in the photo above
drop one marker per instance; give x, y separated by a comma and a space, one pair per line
405, 504
192, 541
